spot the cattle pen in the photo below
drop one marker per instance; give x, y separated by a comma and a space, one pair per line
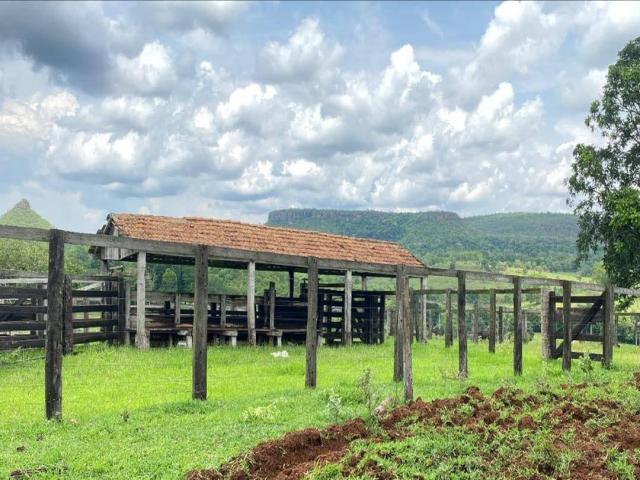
566, 323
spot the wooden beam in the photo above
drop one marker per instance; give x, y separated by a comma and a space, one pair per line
567, 330
609, 326
474, 322
546, 324
142, 334
500, 324
223, 311
425, 332
312, 323
363, 282
347, 337
200, 315
292, 282
492, 322
448, 331
55, 319
67, 324
463, 370
251, 302
272, 305
398, 339
517, 326
407, 370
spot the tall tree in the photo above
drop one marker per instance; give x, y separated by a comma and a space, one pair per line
604, 186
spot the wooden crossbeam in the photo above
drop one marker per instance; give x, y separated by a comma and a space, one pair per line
586, 320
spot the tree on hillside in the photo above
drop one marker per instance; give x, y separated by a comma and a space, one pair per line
604, 186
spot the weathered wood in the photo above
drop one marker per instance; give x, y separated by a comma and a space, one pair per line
312, 323
200, 314
251, 302
448, 331
122, 316
463, 370
363, 282
177, 309
474, 324
127, 313
292, 282
609, 326
566, 320
404, 305
426, 331
398, 339
517, 326
142, 334
55, 319
546, 324
272, 305
492, 322
347, 336
67, 299
500, 324
223, 311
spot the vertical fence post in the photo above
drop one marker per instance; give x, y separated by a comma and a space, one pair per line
609, 326
398, 339
272, 305
448, 329
500, 324
122, 313
425, 329
517, 326
347, 337
407, 371
142, 335
463, 370
474, 322
251, 302
55, 319
546, 323
566, 321
312, 323
492, 321
200, 314
67, 300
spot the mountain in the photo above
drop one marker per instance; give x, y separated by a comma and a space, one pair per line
529, 240
22, 215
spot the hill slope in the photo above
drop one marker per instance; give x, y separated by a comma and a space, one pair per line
535, 240
22, 215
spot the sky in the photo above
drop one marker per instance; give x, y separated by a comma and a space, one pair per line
232, 110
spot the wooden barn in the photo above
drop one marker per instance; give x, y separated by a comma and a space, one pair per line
344, 314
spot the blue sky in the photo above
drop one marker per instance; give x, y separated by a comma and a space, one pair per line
235, 109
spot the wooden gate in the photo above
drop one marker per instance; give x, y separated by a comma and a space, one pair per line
367, 315
587, 323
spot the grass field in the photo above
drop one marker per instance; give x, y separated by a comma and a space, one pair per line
128, 414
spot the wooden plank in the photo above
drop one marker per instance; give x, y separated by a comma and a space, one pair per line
201, 286
546, 324
500, 324
122, 314
425, 331
94, 323
312, 324
55, 319
21, 325
580, 299
292, 282
251, 302
448, 332
398, 333
492, 322
22, 292
517, 326
407, 370
95, 337
347, 337
463, 370
22, 309
609, 326
67, 299
272, 305
566, 319
142, 335
223, 311
94, 293
474, 322
177, 309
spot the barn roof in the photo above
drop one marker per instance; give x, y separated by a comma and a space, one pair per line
259, 238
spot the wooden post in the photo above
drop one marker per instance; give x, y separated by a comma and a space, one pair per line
292, 282
398, 339
272, 305
492, 321
363, 282
200, 328
223, 310
142, 335
525, 326
545, 323
463, 370
448, 331
251, 302
500, 325
122, 315
425, 330
55, 319
474, 324
127, 312
566, 321
407, 371
177, 310
312, 323
67, 328
609, 326
517, 326
347, 336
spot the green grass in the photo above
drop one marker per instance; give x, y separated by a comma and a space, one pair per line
128, 414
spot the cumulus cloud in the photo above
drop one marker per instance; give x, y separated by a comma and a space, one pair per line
209, 15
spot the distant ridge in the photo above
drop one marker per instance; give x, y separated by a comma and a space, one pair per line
529, 240
22, 215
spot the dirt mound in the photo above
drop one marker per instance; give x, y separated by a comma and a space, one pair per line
291, 456
568, 424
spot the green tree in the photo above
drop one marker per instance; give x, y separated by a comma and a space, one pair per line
605, 182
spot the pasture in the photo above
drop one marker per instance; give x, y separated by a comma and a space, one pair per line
129, 413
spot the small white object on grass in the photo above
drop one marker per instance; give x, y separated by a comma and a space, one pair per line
282, 354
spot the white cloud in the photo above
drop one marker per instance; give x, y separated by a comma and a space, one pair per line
150, 72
